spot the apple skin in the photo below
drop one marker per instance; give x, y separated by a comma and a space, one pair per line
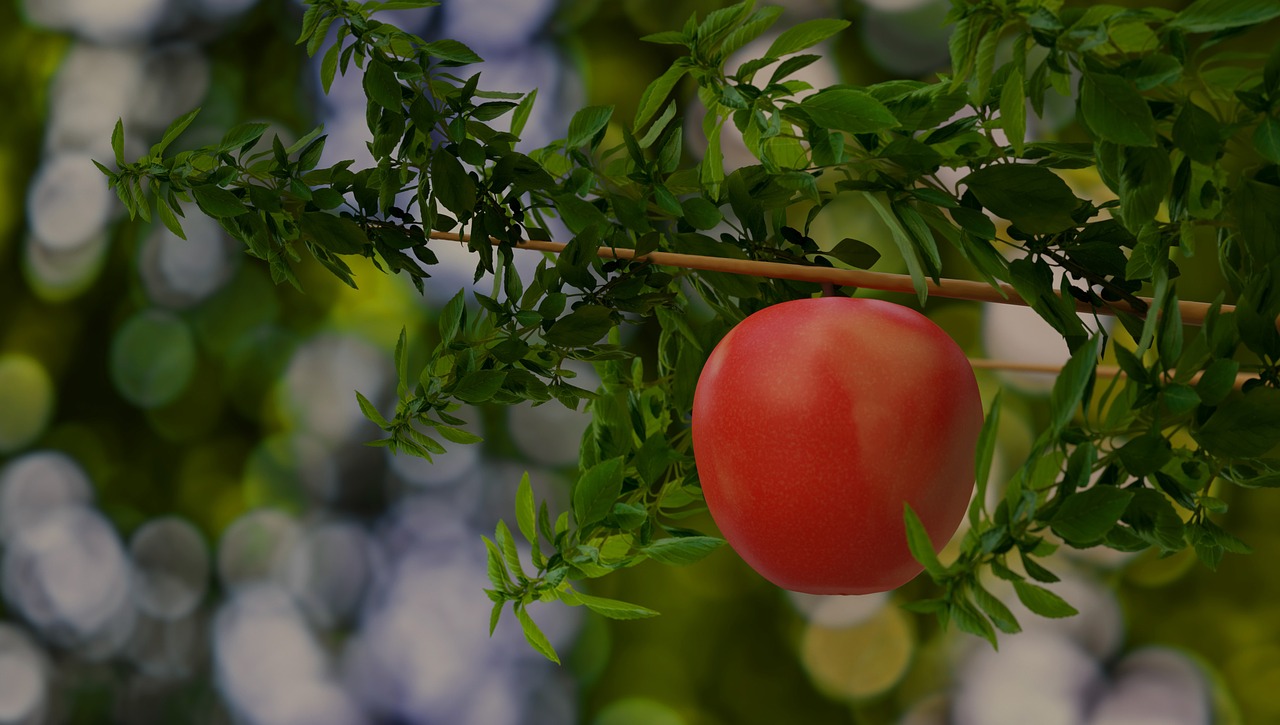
814, 420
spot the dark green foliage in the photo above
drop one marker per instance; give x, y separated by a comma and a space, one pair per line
1185, 158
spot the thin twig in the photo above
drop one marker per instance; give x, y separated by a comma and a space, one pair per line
1192, 313
1106, 371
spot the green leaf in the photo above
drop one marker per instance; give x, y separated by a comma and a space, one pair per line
1180, 399
401, 358
1217, 381
586, 123
1155, 70
583, 326
169, 219
984, 455
1013, 110
700, 213
855, 253
804, 35
629, 516
905, 246
174, 130
1197, 133
520, 116
479, 386
1145, 454
579, 214
656, 93
451, 184
242, 135
495, 568
920, 544
1207, 16
1266, 139
117, 143
1034, 198
974, 222
1153, 519
666, 37
1042, 601
218, 202
848, 110
753, 27
534, 636
999, 613
450, 321
507, 544
611, 608
457, 435
451, 52
921, 237
1144, 183
983, 68
495, 614
1243, 427
382, 87
718, 23
1069, 388
526, 510
337, 234
1086, 516
1035, 570
970, 620
371, 412
682, 550
658, 126
596, 491
329, 66
1115, 111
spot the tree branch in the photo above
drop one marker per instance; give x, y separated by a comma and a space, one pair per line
1193, 313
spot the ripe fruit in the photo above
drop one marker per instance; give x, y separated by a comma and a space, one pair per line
814, 420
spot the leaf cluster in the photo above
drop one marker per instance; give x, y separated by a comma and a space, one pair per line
1181, 131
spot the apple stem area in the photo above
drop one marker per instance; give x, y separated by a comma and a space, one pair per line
1192, 313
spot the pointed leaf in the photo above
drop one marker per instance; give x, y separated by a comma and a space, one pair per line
586, 123
848, 110
1086, 516
218, 202
117, 143
611, 608
920, 544
1034, 198
804, 35
371, 412
1068, 389
1115, 111
596, 491
1207, 16
682, 550
526, 513
1042, 601
534, 636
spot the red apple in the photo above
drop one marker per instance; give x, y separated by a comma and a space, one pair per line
815, 420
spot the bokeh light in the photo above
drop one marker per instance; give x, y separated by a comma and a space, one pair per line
192, 529
27, 397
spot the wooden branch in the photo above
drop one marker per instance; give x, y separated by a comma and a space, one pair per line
1106, 371
1193, 313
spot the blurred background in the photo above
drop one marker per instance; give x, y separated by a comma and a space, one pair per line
191, 530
